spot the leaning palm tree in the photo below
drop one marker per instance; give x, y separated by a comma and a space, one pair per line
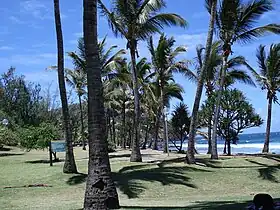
77, 80
212, 5
235, 23
135, 21
69, 165
100, 189
165, 64
268, 79
235, 73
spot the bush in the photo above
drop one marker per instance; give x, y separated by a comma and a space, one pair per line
38, 137
8, 137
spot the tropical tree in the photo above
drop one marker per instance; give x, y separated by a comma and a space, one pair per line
69, 165
212, 4
165, 64
236, 114
236, 22
77, 80
108, 58
135, 21
268, 79
100, 189
180, 125
235, 73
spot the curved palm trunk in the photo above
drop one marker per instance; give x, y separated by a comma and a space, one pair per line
268, 124
69, 165
123, 127
209, 131
82, 122
100, 189
165, 131
191, 141
214, 150
157, 125
135, 152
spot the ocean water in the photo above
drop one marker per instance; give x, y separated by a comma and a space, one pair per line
248, 143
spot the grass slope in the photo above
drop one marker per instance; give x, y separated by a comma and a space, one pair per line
160, 182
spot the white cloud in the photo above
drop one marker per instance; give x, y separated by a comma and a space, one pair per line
6, 48
14, 19
37, 9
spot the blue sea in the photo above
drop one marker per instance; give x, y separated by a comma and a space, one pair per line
248, 143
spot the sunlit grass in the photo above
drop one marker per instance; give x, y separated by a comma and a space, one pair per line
224, 184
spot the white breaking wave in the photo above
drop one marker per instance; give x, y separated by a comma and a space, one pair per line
238, 146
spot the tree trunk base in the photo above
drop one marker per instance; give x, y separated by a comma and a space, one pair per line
135, 156
215, 157
189, 159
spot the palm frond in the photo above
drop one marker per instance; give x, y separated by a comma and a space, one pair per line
261, 58
240, 76
250, 35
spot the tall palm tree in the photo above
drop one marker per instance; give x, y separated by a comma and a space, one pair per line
69, 165
77, 80
135, 21
268, 79
100, 189
212, 4
211, 77
235, 23
165, 63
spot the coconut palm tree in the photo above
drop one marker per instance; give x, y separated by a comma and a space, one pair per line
165, 64
211, 77
212, 5
268, 79
77, 80
100, 189
135, 21
236, 22
108, 58
69, 165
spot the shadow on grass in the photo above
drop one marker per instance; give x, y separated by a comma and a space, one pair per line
215, 205
267, 172
119, 155
44, 161
130, 179
77, 179
10, 154
5, 149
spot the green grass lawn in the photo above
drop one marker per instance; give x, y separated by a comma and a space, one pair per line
167, 184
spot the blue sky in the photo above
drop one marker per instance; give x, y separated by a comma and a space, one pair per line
28, 42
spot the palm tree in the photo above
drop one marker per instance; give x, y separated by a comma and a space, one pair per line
212, 4
135, 21
77, 80
108, 58
235, 23
165, 64
100, 189
211, 77
268, 79
69, 165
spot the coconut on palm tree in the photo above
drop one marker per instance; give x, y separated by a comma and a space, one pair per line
135, 21
268, 78
69, 165
235, 22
